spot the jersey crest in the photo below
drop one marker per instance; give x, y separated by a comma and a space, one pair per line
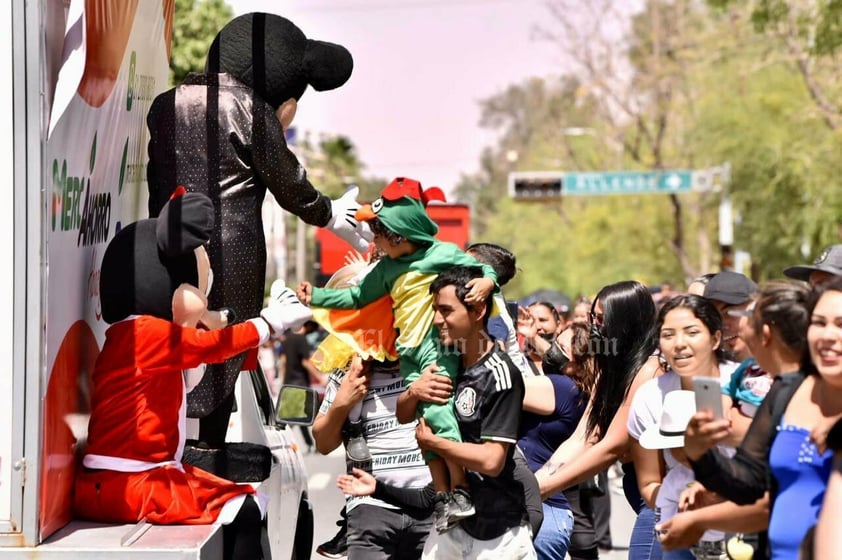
466, 402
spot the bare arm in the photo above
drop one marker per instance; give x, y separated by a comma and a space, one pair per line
316, 376
828, 538
540, 395
687, 527
327, 429
429, 387
601, 454
739, 422
488, 457
594, 459
527, 329
572, 447
648, 464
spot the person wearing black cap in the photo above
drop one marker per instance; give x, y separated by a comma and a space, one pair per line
731, 291
827, 265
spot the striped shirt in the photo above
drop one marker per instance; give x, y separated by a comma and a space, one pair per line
396, 459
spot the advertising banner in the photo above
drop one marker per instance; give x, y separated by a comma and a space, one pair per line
114, 62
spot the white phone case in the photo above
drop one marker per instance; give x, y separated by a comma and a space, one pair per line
708, 395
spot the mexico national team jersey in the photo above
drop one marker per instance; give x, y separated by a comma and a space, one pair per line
488, 402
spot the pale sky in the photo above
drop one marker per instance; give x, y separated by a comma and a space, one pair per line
421, 67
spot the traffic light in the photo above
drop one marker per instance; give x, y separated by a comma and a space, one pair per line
536, 185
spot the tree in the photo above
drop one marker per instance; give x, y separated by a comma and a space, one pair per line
195, 24
781, 141
635, 68
332, 165
809, 34
575, 245
677, 85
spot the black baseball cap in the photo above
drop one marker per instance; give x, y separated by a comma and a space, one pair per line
729, 287
829, 260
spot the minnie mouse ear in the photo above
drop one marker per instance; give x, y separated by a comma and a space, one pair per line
328, 65
185, 223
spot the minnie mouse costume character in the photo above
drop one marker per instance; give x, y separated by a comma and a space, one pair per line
155, 274
221, 133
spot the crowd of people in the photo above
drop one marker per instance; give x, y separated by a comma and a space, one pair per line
548, 401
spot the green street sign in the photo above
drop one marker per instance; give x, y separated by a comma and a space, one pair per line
628, 182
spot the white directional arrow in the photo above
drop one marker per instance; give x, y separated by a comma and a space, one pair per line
673, 181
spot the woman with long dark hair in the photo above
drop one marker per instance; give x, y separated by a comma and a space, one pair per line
690, 333
622, 344
553, 405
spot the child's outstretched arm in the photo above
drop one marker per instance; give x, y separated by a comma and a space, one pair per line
304, 292
374, 285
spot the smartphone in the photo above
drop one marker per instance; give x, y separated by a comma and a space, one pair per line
708, 395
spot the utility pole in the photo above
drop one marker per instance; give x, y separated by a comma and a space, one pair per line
722, 181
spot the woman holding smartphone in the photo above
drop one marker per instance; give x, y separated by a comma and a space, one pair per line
690, 337
784, 444
775, 330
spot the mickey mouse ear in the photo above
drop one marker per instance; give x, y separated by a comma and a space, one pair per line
328, 65
185, 223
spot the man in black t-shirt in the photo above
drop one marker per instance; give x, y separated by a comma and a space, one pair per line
488, 401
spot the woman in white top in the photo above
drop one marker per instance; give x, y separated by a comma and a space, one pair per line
690, 336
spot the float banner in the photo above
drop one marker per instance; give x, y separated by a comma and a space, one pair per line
115, 60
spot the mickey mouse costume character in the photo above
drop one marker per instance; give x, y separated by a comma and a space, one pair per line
155, 274
221, 133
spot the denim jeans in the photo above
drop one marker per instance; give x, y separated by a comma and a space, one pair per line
553, 539
683, 554
643, 545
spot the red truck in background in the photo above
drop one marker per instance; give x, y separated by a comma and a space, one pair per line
454, 221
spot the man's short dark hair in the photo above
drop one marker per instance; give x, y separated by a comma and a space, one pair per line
458, 277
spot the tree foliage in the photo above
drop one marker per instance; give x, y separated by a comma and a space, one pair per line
806, 36
683, 85
195, 24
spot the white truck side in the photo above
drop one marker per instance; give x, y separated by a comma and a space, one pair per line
73, 98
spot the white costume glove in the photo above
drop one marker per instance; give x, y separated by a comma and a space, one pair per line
343, 223
285, 310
